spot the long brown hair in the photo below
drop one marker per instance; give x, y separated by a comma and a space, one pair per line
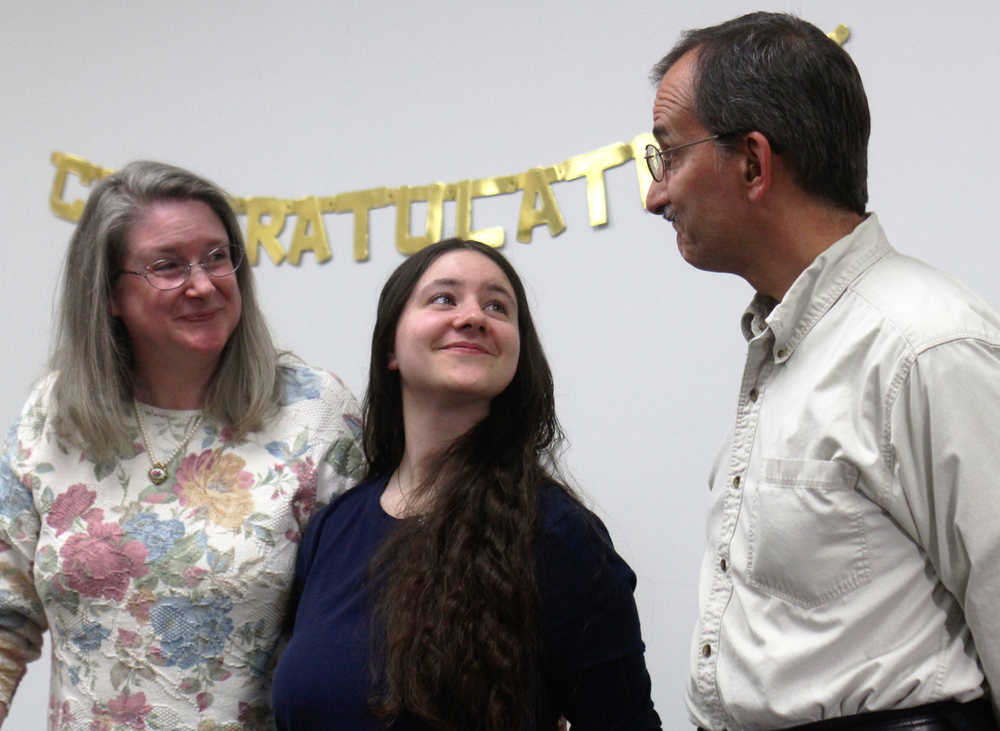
456, 629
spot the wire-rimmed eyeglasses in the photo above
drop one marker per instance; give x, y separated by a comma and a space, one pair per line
172, 273
659, 161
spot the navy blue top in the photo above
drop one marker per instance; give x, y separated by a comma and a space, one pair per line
592, 657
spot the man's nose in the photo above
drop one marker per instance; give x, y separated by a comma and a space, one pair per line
656, 196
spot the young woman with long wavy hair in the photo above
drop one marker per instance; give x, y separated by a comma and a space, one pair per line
460, 586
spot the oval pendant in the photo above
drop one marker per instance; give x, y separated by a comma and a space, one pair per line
158, 473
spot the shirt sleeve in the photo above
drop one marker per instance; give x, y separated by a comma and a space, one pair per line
593, 651
944, 427
343, 463
22, 619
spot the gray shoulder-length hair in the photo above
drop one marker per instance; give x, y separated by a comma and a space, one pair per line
93, 355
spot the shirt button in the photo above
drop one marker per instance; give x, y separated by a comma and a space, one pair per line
706, 650
753, 394
723, 565
736, 482
782, 352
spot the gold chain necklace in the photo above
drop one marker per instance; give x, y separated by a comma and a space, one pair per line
158, 471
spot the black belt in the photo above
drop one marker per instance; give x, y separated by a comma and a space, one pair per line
976, 715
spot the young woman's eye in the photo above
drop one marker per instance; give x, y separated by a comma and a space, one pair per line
442, 299
497, 307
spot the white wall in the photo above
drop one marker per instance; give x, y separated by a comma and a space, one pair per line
322, 98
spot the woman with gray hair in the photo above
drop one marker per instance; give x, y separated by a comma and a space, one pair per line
154, 489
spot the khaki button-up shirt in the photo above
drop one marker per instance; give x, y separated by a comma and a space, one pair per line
853, 557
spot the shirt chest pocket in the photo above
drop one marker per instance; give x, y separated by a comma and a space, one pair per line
807, 542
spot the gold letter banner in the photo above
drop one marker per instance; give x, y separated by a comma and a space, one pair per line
266, 217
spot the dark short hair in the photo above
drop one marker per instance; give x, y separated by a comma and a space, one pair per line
782, 76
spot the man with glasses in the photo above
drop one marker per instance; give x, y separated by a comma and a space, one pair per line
852, 574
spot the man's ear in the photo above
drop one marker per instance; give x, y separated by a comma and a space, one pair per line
758, 165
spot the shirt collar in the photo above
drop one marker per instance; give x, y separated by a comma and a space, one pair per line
816, 289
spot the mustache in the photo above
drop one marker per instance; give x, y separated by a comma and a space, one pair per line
669, 214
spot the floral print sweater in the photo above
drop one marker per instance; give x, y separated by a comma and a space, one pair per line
165, 602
